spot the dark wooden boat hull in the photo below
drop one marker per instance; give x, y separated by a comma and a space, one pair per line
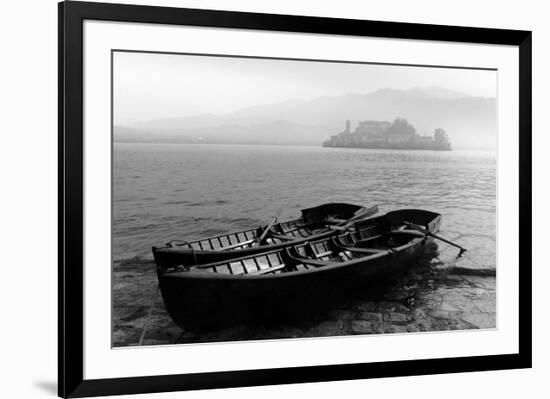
201, 302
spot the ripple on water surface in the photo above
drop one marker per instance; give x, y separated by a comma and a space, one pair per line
165, 191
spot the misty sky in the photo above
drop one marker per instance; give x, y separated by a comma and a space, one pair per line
156, 86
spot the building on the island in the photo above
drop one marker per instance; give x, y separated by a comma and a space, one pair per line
424, 141
371, 133
348, 126
399, 139
382, 134
372, 129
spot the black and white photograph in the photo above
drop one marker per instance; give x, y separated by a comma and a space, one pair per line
287, 199
265, 198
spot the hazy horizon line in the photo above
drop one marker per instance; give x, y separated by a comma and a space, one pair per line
304, 145
304, 99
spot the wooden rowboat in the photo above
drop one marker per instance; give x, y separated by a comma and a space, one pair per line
299, 275
316, 221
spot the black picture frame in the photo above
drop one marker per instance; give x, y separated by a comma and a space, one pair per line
70, 351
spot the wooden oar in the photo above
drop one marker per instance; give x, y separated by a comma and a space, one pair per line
239, 244
368, 212
265, 232
254, 241
423, 230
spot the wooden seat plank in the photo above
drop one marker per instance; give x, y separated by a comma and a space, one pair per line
265, 271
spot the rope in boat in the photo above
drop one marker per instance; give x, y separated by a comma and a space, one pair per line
146, 325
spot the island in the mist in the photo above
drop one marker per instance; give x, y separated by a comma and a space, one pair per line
400, 135
470, 119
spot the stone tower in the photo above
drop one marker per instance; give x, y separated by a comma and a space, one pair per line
348, 126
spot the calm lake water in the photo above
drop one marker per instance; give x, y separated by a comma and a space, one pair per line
178, 191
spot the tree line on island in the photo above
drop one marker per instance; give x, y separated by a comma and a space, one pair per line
399, 134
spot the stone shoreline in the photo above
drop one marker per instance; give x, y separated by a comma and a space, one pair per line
430, 297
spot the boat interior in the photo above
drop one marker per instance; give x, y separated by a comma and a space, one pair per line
278, 233
313, 222
310, 254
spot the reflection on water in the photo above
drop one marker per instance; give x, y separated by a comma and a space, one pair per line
176, 191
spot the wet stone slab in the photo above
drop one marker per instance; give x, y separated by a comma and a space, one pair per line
369, 316
362, 327
427, 298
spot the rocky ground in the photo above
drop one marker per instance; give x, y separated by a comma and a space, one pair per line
432, 296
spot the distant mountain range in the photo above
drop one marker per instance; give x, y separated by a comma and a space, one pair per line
469, 121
